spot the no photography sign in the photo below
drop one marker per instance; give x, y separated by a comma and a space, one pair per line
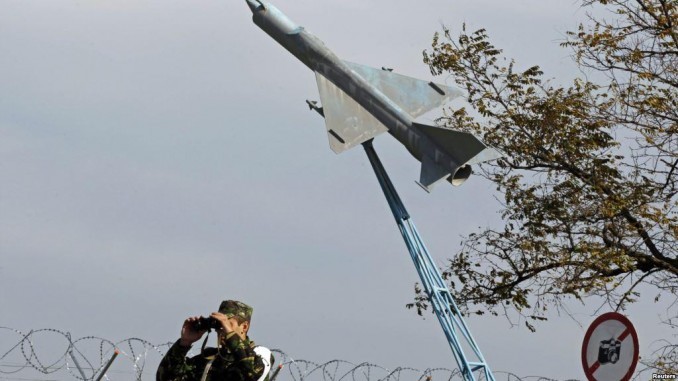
610, 349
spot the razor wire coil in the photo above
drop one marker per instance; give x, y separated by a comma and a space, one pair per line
92, 353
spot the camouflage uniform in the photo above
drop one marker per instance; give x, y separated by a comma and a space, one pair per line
236, 360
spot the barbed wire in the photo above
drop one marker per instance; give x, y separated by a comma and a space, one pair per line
21, 352
85, 358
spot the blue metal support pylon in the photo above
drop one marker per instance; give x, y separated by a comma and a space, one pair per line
457, 333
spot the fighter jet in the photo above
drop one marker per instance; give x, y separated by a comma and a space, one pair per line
360, 102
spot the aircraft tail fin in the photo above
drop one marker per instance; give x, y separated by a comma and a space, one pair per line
464, 147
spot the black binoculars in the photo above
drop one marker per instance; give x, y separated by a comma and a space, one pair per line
206, 323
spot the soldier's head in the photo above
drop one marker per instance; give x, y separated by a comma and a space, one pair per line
240, 312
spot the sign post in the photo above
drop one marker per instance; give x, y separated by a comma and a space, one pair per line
610, 349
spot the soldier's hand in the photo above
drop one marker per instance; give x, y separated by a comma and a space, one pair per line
188, 334
228, 324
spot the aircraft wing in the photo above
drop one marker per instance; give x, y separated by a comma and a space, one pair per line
414, 96
347, 122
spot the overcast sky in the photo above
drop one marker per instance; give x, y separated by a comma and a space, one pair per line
157, 157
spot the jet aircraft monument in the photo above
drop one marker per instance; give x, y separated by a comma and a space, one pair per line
361, 102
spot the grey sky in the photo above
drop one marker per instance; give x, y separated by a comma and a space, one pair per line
157, 157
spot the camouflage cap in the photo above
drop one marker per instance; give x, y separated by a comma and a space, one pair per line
236, 308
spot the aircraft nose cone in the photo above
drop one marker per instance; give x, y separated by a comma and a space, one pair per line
253, 5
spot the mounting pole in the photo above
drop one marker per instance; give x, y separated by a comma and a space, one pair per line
75, 361
108, 364
457, 333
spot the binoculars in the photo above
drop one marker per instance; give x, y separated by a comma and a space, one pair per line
206, 324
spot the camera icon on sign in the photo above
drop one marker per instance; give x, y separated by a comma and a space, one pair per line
608, 353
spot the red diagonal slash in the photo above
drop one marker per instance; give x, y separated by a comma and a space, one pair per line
594, 367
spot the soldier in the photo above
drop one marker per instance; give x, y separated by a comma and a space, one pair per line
235, 359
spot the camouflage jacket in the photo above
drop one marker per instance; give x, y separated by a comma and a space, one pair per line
235, 361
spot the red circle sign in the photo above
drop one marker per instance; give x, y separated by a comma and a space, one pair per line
610, 349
